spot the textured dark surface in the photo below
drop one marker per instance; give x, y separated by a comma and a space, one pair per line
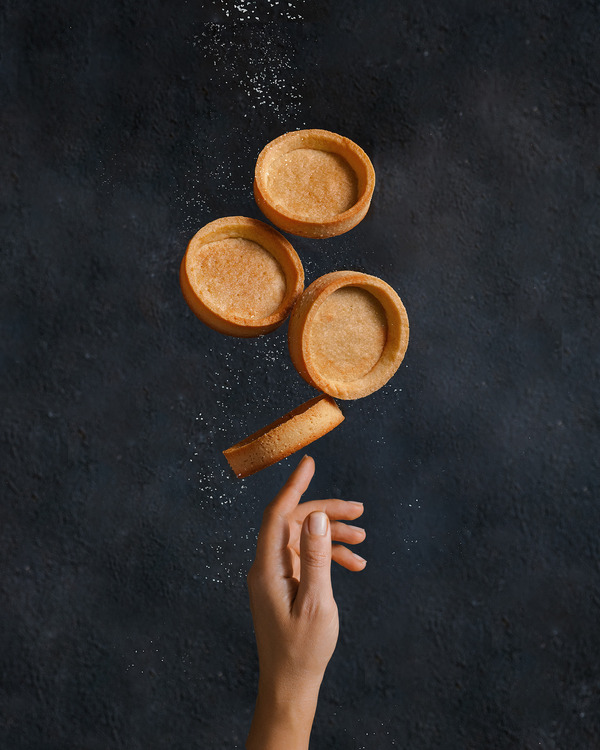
125, 542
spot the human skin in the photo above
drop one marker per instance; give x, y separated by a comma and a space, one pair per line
295, 615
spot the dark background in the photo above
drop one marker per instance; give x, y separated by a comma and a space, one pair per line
124, 538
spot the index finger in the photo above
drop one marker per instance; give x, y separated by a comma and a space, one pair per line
273, 536
337, 510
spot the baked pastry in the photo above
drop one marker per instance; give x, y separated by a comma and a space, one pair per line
241, 276
313, 183
348, 334
295, 430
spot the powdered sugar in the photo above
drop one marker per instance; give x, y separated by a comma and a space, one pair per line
250, 55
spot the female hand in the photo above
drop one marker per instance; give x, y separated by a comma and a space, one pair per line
293, 609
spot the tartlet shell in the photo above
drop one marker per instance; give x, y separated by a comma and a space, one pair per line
286, 435
394, 349
272, 241
327, 141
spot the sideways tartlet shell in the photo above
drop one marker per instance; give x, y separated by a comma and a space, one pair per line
323, 140
303, 315
286, 435
274, 243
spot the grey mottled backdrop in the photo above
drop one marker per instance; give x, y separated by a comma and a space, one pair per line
125, 127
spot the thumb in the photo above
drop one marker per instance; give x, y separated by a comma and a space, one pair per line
315, 562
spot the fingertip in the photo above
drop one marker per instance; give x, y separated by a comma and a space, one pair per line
305, 471
297, 483
361, 533
357, 508
348, 559
306, 463
307, 460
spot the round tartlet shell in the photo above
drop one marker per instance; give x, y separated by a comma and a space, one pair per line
297, 429
272, 241
325, 141
303, 315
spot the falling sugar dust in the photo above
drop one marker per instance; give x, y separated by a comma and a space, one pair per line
248, 52
259, 369
248, 56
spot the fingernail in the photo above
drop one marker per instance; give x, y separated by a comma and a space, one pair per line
317, 523
359, 558
356, 528
359, 505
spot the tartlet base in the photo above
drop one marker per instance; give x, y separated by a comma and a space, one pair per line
269, 239
302, 318
289, 219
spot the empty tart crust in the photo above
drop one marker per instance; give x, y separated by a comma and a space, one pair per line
303, 425
240, 276
313, 183
348, 334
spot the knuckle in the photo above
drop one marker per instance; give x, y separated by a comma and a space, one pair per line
316, 558
319, 608
310, 607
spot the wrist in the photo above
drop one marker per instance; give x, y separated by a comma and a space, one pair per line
283, 716
296, 690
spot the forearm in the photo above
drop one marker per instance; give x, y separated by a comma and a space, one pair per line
282, 719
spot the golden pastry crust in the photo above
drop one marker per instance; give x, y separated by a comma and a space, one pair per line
297, 429
348, 334
240, 276
313, 183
